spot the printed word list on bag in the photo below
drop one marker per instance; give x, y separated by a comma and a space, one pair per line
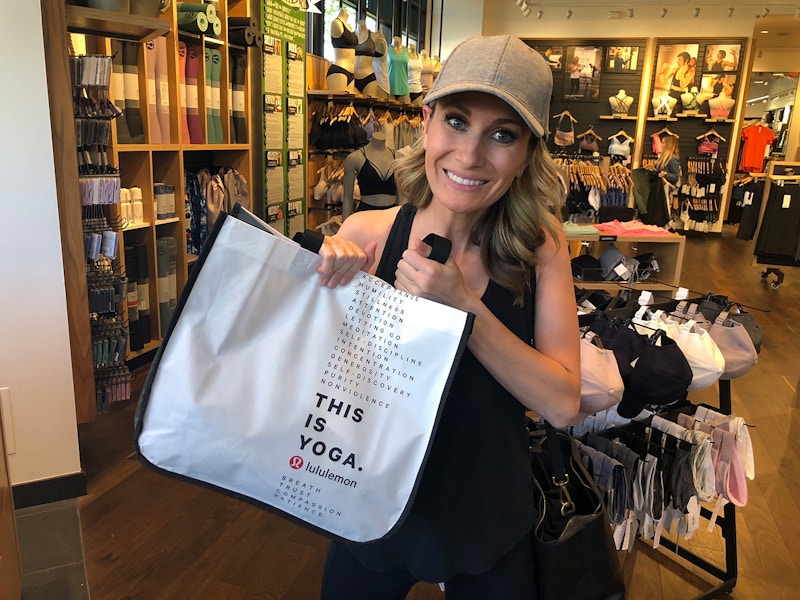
366, 369
318, 403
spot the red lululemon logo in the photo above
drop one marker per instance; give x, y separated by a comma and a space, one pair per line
296, 462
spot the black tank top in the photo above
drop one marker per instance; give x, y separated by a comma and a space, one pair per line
475, 500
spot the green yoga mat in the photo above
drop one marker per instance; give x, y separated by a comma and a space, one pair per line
193, 22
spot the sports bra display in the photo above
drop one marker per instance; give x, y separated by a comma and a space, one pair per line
367, 47
619, 148
372, 181
348, 39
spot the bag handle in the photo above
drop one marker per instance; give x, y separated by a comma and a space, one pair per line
558, 472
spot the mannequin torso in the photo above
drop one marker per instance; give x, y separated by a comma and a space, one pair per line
621, 103
373, 166
663, 105
720, 107
340, 74
398, 70
380, 64
365, 79
692, 100
415, 65
426, 77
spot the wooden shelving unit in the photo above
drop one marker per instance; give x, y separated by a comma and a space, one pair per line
667, 249
140, 164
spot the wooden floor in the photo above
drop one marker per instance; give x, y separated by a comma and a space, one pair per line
146, 536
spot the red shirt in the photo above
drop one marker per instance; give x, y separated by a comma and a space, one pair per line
756, 139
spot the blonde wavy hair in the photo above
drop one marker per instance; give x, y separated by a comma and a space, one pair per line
514, 226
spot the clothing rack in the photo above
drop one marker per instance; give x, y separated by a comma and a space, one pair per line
778, 173
726, 521
727, 525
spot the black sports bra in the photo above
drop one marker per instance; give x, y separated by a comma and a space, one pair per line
367, 47
371, 181
348, 39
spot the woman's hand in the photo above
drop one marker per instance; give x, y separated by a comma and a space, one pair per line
342, 259
419, 275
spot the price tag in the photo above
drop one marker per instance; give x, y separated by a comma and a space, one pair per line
681, 294
712, 187
645, 298
622, 271
787, 201
748, 198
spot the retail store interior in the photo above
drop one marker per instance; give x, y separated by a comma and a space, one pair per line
81, 517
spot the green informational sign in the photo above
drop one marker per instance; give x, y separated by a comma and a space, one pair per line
283, 89
286, 19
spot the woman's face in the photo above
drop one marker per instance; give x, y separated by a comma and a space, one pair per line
681, 61
475, 146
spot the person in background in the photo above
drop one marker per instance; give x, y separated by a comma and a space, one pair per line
668, 163
480, 176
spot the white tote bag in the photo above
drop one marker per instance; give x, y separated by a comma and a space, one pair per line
319, 404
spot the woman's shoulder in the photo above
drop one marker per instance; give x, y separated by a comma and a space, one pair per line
364, 227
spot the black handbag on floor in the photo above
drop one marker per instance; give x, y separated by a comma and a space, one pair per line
571, 540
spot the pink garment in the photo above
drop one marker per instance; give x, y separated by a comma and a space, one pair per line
634, 227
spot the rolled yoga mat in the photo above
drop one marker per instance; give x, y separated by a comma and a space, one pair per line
162, 260
237, 22
215, 26
182, 50
209, 118
216, 95
118, 88
143, 290
162, 89
130, 70
193, 22
152, 103
207, 9
194, 58
242, 36
238, 66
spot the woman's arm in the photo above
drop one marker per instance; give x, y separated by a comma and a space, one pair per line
545, 379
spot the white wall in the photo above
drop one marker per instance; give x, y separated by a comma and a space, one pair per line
463, 19
34, 340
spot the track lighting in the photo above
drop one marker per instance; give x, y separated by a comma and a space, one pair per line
630, 12
663, 12
696, 12
797, 13
520, 3
569, 13
764, 12
730, 11
539, 13
526, 11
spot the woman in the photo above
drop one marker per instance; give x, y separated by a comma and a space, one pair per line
481, 177
575, 76
668, 164
678, 77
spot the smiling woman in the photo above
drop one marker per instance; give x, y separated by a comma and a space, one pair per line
481, 177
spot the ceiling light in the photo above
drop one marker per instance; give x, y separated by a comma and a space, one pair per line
764, 12
797, 13
520, 3
526, 11
539, 13
730, 11
663, 12
764, 31
569, 13
630, 12
696, 12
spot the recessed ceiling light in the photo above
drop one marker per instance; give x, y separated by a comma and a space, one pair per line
765, 31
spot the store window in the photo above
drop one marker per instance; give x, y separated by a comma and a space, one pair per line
403, 18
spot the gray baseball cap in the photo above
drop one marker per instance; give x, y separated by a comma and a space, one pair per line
504, 66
